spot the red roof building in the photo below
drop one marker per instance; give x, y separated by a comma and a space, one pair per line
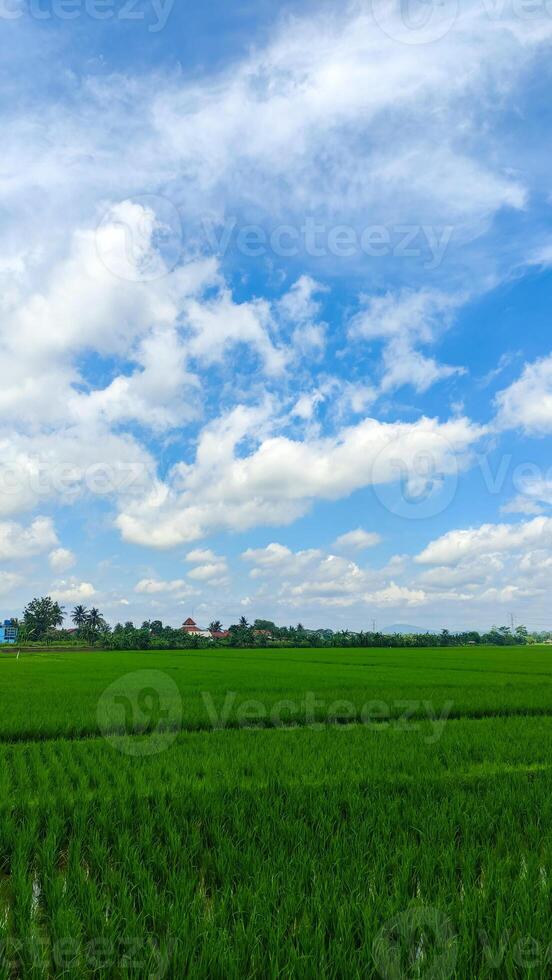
189, 626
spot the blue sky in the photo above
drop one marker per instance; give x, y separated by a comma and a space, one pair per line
275, 310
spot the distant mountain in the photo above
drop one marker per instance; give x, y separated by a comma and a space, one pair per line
405, 628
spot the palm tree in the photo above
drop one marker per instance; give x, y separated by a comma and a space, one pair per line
95, 620
79, 616
243, 622
215, 626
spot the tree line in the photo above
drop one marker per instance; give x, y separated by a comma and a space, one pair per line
43, 620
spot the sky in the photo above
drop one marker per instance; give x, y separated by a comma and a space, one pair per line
275, 293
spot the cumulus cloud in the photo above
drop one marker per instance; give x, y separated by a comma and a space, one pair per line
17, 541
151, 586
357, 540
312, 580
61, 559
209, 572
403, 321
455, 546
72, 591
8, 582
200, 555
527, 403
278, 481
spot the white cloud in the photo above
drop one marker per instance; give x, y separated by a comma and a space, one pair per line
210, 571
404, 321
277, 482
276, 557
8, 582
150, 586
396, 595
17, 541
527, 403
455, 546
200, 555
417, 314
72, 591
61, 559
70, 463
404, 366
357, 540
522, 504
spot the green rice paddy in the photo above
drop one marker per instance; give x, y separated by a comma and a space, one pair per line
298, 813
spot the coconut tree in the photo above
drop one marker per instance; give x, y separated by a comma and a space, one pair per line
95, 620
215, 626
79, 616
243, 622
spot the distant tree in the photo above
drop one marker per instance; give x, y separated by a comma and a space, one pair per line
264, 624
79, 616
156, 627
41, 616
94, 621
215, 626
243, 622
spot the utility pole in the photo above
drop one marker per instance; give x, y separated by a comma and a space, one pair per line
512, 621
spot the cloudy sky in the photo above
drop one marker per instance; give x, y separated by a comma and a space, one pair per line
275, 309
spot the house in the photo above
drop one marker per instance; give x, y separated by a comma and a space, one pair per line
192, 629
8, 632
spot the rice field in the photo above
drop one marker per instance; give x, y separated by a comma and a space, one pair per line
307, 813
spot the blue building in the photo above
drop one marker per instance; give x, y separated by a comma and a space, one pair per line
8, 633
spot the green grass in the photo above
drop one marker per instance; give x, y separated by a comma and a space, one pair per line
51, 694
277, 852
